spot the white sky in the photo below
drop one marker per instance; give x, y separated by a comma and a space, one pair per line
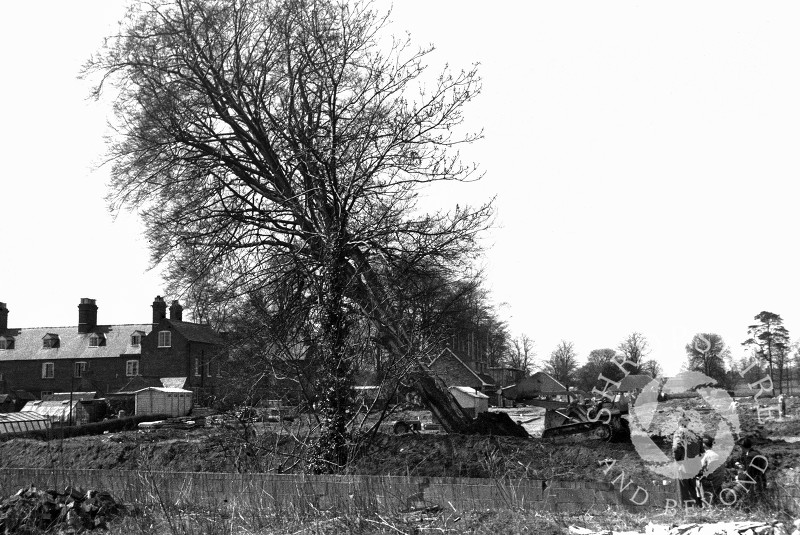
644, 156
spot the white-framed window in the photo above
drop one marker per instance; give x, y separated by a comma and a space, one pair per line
198, 370
80, 369
132, 368
136, 339
208, 369
6, 342
164, 339
48, 370
94, 341
1, 377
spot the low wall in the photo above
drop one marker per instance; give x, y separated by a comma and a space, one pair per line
363, 493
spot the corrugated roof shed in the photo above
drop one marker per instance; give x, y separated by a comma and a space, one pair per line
72, 344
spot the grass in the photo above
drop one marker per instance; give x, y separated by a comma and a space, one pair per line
502, 521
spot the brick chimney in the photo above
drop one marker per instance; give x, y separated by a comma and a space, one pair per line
176, 311
3, 317
159, 309
87, 315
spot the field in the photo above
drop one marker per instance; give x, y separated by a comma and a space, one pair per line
273, 447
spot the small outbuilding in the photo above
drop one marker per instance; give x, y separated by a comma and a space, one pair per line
537, 385
16, 423
60, 412
163, 401
470, 399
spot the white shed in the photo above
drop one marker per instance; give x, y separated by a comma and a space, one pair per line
470, 399
166, 401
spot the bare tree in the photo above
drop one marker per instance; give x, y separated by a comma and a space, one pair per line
635, 348
563, 363
262, 141
520, 354
707, 353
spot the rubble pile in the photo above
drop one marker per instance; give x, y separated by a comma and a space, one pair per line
32, 510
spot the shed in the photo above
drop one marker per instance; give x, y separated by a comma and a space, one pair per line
7, 403
15, 423
632, 382
539, 384
62, 412
163, 401
470, 399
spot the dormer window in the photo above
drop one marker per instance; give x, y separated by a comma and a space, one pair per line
50, 341
164, 339
6, 342
136, 338
97, 340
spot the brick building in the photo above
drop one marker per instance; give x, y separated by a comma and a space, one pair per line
454, 371
107, 358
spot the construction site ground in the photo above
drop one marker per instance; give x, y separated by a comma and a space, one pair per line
275, 447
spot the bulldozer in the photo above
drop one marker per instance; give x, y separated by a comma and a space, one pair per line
603, 420
568, 412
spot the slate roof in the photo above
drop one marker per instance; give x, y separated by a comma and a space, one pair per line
631, 382
72, 344
483, 378
196, 332
539, 384
173, 382
137, 383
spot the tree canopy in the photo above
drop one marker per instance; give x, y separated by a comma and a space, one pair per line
280, 146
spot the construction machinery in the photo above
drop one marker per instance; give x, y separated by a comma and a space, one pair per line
569, 416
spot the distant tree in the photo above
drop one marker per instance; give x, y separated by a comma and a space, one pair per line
634, 348
563, 363
707, 353
769, 340
520, 353
599, 363
651, 367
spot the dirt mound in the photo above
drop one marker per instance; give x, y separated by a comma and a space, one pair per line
72, 511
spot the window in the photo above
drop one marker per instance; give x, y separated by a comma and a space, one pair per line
94, 341
136, 339
80, 369
164, 339
50, 341
45, 393
208, 369
198, 371
48, 370
6, 342
132, 368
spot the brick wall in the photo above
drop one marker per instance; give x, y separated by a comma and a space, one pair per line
454, 373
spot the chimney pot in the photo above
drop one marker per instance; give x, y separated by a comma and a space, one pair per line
3, 317
176, 311
87, 315
159, 309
